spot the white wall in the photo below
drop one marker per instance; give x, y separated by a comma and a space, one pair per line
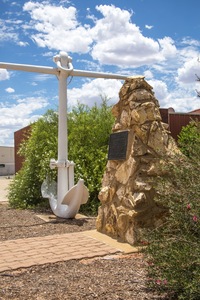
7, 161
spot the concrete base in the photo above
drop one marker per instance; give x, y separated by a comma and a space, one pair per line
122, 247
51, 217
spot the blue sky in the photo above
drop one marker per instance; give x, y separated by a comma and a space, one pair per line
155, 38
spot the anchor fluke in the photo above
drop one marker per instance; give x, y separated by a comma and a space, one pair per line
71, 202
77, 191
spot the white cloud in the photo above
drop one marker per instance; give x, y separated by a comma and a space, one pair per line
7, 32
23, 44
191, 42
148, 74
186, 73
16, 116
48, 54
21, 110
10, 90
5, 137
57, 27
120, 42
182, 100
4, 75
188, 53
161, 91
92, 90
41, 77
91, 16
148, 26
168, 49
184, 103
113, 40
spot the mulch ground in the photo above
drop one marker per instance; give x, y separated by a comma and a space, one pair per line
116, 277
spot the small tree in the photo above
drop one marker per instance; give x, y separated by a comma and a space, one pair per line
89, 130
41, 146
88, 133
189, 139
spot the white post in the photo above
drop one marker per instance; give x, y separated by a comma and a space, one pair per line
64, 63
62, 186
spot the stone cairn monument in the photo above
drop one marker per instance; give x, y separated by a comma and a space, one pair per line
138, 144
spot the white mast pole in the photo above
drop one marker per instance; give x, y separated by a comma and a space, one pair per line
62, 183
62, 61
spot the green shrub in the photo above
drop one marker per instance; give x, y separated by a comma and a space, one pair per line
189, 139
173, 249
37, 151
88, 134
89, 130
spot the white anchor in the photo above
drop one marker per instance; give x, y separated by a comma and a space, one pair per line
69, 197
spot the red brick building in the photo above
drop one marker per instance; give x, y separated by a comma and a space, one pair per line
177, 120
19, 136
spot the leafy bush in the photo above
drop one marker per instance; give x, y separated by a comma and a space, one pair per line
189, 139
37, 151
88, 134
173, 249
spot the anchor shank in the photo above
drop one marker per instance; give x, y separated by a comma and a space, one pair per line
62, 183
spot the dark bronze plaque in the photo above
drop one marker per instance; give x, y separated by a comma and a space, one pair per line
118, 145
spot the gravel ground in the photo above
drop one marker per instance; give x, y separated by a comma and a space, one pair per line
15, 224
120, 277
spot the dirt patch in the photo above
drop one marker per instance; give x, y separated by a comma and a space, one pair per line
15, 224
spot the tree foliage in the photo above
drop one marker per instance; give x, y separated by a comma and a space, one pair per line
89, 130
37, 151
174, 247
88, 134
189, 139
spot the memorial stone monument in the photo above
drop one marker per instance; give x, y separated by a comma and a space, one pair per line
137, 146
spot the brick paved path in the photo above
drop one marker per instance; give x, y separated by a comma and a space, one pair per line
27, 252
23, 253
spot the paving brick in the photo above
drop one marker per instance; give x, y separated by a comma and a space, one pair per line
50, 249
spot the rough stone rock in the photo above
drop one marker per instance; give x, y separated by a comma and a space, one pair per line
127, 193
